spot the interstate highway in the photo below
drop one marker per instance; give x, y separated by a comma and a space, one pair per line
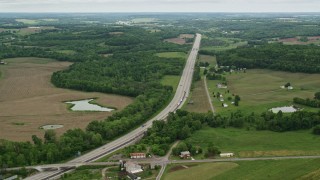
178, 100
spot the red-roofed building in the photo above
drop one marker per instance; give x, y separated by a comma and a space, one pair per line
137, 155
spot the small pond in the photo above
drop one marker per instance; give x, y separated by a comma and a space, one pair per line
285, 109
85, 105
51, 126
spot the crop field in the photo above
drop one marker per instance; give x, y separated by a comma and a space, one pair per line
297, 41
28, 100
198, 101
172, 55
176, 41
254, 143
260, 90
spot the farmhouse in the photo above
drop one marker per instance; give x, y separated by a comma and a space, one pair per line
137, 155
225, 105
2, 63
185, 154
132, 167
221, 86
226, 154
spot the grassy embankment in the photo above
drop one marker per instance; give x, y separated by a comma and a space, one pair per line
198, 98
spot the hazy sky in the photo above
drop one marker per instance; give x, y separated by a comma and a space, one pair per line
159, 5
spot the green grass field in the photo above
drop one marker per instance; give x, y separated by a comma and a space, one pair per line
260, 90
212, 60
172, 55
303, 169
231, 43
28, 21
257, 143
68, 52
306, 169
143, 20
84, 174
199, 99
171, 80
196, 171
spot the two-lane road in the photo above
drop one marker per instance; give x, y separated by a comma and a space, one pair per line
182, 92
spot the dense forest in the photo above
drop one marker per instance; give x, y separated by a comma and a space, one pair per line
295, 58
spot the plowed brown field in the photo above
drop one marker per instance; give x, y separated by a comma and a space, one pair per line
28, 100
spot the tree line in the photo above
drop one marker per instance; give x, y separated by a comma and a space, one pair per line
315, 102
183, 124
292, 58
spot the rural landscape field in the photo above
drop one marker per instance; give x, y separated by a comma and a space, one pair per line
162, 96
29, 101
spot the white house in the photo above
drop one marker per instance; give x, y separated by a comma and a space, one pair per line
226, 155
221, 86
185, 154
290, 87
225, 105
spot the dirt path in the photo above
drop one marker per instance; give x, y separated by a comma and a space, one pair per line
166, 158
104, 173
208, 94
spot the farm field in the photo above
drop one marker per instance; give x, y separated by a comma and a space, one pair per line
258, 143
172, 55
28, 100
28, 30
298, 41
181, 39
260, 90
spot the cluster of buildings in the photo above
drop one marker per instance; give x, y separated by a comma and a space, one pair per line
133, 168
